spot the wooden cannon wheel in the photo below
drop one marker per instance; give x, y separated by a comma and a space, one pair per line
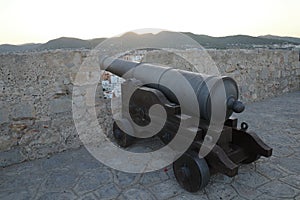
191, 171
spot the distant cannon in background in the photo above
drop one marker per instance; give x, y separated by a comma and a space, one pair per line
156, 84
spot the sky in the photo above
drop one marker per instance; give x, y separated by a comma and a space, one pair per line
38, 21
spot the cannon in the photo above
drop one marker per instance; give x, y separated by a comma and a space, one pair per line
152, 82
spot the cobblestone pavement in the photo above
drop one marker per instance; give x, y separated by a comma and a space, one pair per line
77, 175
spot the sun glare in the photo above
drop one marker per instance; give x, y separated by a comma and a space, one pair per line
39, 21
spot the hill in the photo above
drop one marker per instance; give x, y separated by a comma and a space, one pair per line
64, 43
288, 39
59, 43
70, 43
228, 42
17, 48
237, 41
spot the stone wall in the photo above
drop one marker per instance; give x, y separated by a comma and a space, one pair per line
259, 73
36, 94
36, 104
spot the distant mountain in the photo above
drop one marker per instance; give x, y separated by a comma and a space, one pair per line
15, 48
158, 40
64, 43
164, 39
59, 43
236, 41
70, 43
287, 39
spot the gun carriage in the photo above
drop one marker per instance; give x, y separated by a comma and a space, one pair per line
234, 146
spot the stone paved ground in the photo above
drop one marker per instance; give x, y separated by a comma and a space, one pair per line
77, 175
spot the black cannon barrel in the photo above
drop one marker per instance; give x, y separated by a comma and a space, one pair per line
222, 92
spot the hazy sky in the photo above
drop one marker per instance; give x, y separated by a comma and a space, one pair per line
25, 21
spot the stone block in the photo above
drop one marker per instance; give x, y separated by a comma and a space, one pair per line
251, 88
265, 73
46, 139
4, 115
284, 83
254, 96
6, 142
24, 110
279, 74
11, 157
60, 105
29, 136
67, 80
85, 77
78, 78
230, 68
253, 74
